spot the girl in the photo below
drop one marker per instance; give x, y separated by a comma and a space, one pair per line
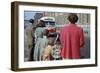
47, 51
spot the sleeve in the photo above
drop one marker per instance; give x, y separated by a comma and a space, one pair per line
61, 37
82, 38
62, 42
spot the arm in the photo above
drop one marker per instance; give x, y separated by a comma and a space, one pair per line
82, 38
61, 37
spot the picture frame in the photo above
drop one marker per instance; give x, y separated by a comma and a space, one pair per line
18, 12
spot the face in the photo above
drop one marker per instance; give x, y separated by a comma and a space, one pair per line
51, 40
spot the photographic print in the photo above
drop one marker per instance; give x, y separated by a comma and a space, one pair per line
53, 36
53, 22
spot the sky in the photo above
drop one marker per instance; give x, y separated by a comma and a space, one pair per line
30, 14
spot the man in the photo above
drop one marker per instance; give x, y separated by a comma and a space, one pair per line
72, 38
28, 36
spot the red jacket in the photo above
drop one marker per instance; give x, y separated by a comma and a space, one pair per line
72, 39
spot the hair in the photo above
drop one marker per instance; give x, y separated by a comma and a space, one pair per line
41, 23
31, 21
72, 17
51, 35
45, 32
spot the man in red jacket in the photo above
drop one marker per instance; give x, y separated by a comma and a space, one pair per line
72, 38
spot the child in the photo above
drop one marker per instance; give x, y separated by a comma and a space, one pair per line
47, 51
56, 52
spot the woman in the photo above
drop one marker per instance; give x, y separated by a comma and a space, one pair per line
38, 37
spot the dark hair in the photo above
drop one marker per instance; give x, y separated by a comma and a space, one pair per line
41, 24
31, 21
51, 35
45, 32
73, 18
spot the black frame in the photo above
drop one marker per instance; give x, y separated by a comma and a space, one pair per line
15, 33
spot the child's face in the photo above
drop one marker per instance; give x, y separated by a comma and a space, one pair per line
51, 40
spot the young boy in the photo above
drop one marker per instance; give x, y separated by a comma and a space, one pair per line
57, 49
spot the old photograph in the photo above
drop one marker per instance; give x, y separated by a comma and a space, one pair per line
56, 35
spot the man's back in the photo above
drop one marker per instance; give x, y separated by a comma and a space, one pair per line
72, 39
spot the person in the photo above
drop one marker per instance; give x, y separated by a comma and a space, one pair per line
43, 43
33, 41
38, 37
47, 55
28, 39
72, 38
57, 48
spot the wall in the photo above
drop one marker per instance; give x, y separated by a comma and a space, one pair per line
5, 36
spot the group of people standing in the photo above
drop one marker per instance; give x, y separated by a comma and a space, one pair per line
45, 44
